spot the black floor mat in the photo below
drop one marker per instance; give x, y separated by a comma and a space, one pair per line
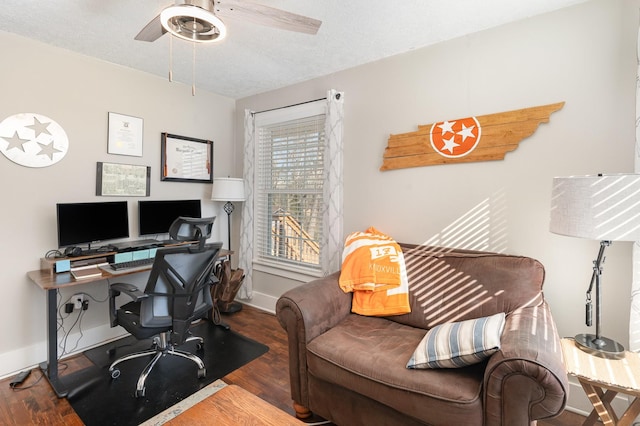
100, 400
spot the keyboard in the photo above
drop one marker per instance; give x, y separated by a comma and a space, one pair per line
129, 266
136, 244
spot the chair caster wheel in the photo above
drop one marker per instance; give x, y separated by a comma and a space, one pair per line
199, 346
140, 393
115, 373
202, 372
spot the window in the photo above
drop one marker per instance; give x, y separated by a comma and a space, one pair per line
289, 179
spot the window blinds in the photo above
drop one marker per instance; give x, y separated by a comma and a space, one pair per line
289, 190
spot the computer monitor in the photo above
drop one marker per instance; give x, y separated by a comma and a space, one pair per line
88, 223
155, 217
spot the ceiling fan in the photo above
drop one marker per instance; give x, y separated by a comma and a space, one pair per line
198, 21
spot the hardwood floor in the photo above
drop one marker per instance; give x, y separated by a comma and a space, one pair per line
266, 377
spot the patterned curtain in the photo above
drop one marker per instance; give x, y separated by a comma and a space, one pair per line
331, 256
634, 316
246, 229
333, 212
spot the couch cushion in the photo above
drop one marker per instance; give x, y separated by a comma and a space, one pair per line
447, 285
368, 355
459, 344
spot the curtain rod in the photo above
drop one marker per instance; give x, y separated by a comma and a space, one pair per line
289, 106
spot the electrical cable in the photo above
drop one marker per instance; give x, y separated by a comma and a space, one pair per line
62, 343
54, 254
97, 300
78, 321
21, 388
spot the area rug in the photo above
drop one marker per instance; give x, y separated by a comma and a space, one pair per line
171, 412
100, 400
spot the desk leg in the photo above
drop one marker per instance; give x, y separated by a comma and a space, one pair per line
50, 368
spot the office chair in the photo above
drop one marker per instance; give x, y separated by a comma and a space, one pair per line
177, 293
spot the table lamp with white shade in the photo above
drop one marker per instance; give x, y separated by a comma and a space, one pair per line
604, 208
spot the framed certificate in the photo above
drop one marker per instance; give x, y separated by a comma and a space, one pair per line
186, 159
122, 180
125, 135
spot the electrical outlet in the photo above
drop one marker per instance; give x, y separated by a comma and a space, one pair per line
77, 300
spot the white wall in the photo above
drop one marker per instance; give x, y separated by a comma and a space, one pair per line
78, 92
583, 55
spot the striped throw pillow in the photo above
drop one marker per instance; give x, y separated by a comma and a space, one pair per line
458, 344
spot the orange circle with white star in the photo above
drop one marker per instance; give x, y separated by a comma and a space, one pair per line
32, 140
456, 138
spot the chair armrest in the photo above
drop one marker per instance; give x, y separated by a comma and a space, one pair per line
129, 289
526, 380
114, 291
305, 312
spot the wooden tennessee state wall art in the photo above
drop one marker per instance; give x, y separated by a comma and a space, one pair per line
481, 138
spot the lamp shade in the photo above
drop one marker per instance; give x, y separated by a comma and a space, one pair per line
600, 207
228, 189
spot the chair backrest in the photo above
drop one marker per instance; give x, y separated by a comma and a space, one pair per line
191, 229
179, 284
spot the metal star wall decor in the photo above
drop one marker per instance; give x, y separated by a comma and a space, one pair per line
32, 140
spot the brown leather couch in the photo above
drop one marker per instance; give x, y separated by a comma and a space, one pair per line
351, 369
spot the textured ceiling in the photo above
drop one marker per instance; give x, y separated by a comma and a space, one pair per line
255, 59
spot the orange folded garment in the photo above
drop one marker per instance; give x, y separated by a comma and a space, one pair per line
373, 269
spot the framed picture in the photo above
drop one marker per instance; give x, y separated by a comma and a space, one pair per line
125, 135
186, 159
122, 180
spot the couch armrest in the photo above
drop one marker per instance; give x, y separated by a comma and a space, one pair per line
305, 312
526, 380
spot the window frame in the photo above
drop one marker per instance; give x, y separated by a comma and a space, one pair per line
291, 270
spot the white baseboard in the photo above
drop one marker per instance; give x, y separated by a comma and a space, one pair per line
265, 302
31, 356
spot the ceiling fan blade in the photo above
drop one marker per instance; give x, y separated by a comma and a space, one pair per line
267, 16
152, 31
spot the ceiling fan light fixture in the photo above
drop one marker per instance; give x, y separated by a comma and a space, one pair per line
193, 23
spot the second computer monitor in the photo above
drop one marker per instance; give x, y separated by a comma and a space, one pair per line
155, 217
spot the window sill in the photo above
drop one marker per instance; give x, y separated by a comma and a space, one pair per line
287, 271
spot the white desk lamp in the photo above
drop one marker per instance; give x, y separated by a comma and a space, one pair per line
605, 208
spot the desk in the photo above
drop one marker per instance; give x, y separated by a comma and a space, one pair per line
602, 379
51, 283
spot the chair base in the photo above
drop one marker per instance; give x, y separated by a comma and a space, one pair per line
161, 347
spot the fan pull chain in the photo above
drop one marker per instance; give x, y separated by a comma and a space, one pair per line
170, 57
193, 72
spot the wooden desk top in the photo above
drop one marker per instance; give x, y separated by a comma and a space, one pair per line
47, 279
232, 406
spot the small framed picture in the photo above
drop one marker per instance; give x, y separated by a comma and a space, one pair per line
125, 135
126, 180
185, 159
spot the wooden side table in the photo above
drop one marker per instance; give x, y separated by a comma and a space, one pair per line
602, 379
